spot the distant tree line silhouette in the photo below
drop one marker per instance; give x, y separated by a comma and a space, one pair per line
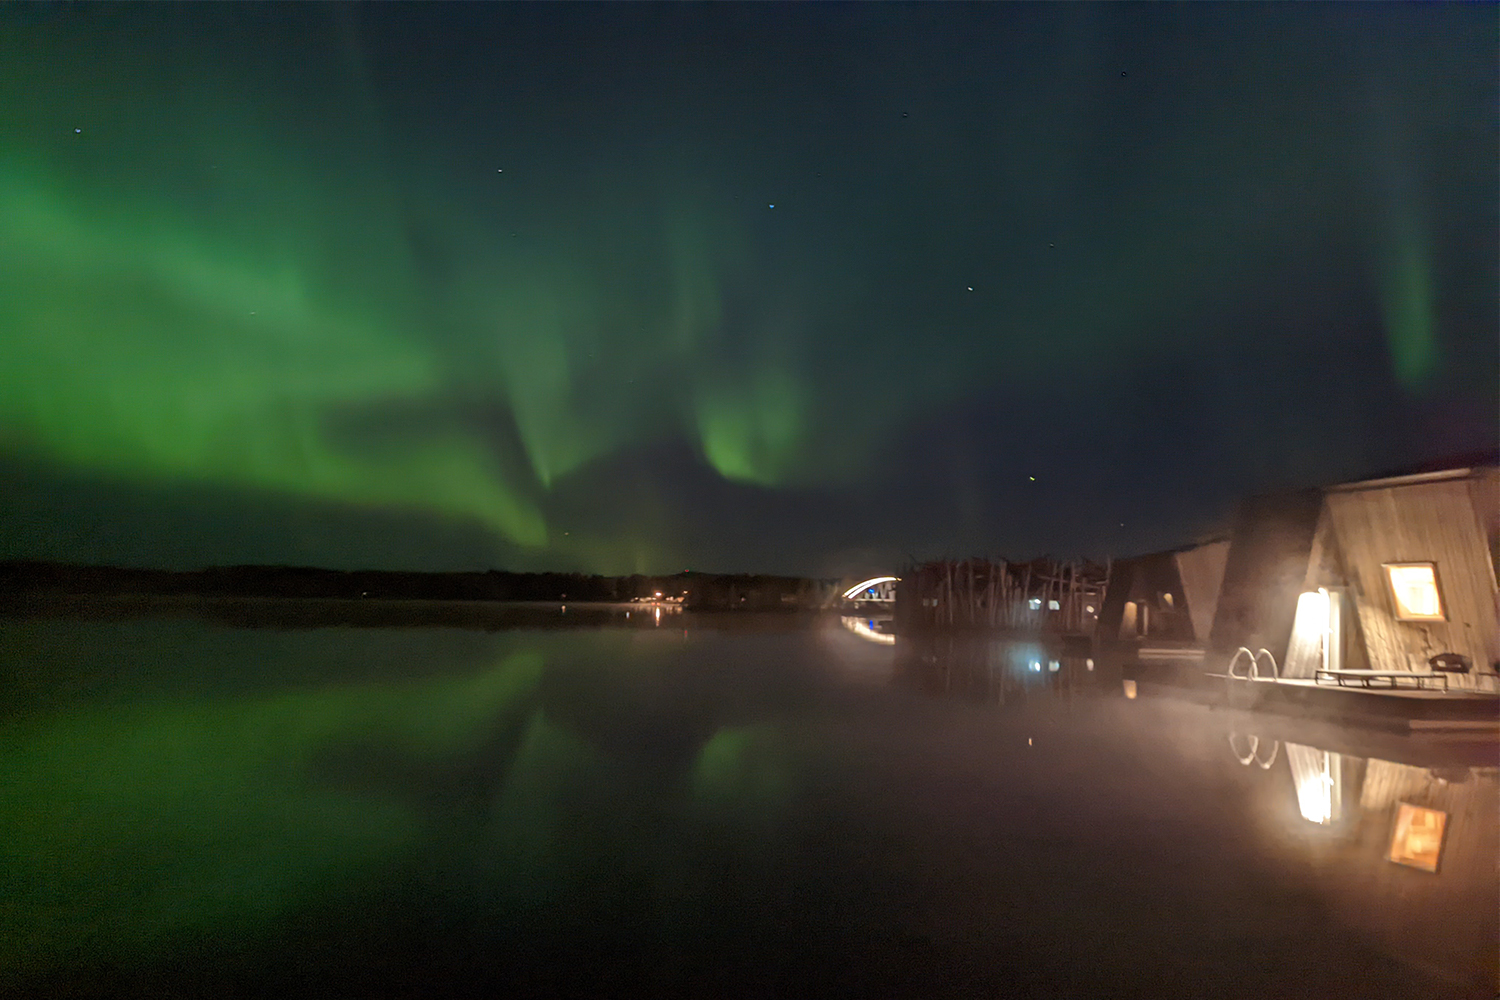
701, 590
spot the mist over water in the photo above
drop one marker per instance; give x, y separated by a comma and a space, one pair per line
752, 806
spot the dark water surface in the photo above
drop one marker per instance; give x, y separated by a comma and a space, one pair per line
736, 807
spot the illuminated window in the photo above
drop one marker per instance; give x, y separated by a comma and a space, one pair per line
1036, 603
1418, 838
1414, 592
1053, 606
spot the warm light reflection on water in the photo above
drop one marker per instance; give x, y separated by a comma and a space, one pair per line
1317, 777
1437, 823
865, 629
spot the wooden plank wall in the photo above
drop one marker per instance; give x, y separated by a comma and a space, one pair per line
1201, 572
1419, 522
1484, 490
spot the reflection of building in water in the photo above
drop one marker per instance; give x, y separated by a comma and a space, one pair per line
1318, 777
976, 668
1407, 853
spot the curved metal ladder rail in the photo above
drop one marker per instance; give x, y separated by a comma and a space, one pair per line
1253, 756
1255, 660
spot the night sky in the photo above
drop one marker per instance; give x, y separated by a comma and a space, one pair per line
804, 289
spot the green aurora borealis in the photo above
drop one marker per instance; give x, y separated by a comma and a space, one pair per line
520, 271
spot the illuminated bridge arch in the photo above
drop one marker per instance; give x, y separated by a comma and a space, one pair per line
880, 589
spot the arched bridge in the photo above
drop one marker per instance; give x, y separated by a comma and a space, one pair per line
877, 589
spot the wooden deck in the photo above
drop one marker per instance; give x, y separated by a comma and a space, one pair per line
1403, 710
1429, 694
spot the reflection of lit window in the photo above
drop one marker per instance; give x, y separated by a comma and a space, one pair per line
1036, 603
1414, 590
1053, 666
1053, 606
1418, 838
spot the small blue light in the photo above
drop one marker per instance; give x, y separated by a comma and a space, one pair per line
773, 206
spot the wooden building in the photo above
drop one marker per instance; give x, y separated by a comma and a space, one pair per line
1164, 599
1379, 575
1401, 570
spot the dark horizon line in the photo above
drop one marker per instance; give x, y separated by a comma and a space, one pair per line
1469, 459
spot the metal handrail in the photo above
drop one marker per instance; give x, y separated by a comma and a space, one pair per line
1255, 662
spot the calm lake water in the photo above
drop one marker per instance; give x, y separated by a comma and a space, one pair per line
741, 807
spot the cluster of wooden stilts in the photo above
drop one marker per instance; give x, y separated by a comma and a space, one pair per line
1044, 595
